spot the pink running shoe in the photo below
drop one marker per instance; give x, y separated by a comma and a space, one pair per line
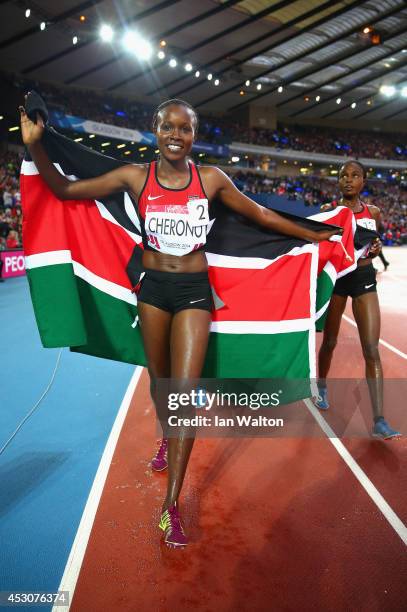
170, 523
160, 461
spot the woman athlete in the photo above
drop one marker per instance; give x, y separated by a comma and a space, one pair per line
360, 285
174, 301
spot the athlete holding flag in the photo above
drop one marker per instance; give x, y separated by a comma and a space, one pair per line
174, 295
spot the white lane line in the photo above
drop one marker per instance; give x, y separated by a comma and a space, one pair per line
75, 559
383, 342
363, 479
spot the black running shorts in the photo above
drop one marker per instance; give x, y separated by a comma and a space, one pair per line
175, 291
360, 281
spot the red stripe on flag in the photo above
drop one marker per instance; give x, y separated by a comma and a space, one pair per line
333, 251
102, 247
277, 293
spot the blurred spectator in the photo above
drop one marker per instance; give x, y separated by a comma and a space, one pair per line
117, 111
13, 241
10, 199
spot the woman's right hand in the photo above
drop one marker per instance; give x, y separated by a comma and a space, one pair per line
31, 132
325, 234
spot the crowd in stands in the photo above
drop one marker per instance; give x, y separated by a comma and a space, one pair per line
113, 110
10, 201
390, 197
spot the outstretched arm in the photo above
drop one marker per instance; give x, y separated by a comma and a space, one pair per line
126, 178
221, 186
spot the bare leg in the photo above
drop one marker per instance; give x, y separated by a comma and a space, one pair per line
366, 311
332, 324
189, 341
155, 330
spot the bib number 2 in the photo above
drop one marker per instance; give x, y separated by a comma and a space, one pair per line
198, 211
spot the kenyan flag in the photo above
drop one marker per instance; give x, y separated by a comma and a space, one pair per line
79, 255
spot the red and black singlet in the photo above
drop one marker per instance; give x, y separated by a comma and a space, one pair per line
365, 219
173, 221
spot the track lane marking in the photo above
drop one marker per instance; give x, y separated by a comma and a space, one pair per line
359, 474
383, 342
75, 559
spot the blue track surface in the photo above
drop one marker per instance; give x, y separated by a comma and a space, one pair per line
47, 470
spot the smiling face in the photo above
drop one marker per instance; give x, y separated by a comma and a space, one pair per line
175, 131
351, 180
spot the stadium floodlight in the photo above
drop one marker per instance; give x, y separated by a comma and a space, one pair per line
216, 82
106, 33
388, 90
280, 89
197, 74
161, 55
353, 105
28, 13
133, 42
188, 67
173, 62
247, 83
404, 92
258, 86
42, 26
338, 100
210, 76
74, 40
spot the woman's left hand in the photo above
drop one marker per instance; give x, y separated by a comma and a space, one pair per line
375, 248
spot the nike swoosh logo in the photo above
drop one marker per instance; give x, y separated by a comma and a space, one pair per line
195, 301
150, 197
368, 286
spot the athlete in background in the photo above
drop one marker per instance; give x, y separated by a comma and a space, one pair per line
360, 285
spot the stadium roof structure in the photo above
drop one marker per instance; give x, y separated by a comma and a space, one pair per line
309, 58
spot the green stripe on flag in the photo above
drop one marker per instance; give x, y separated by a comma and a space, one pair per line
71, 312
324, 292
57, 305
108, 323
262, 356
257, 355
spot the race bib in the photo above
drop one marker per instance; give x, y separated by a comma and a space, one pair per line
176, 229
369, 224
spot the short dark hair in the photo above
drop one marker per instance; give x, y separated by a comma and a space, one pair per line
354, 161
174, 102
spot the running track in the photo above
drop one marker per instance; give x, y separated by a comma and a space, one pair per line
275, 524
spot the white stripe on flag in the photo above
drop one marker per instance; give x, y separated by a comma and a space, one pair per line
324, 216
252, 263
112, 289
105, 214
51, 258
28, 168
261, 327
